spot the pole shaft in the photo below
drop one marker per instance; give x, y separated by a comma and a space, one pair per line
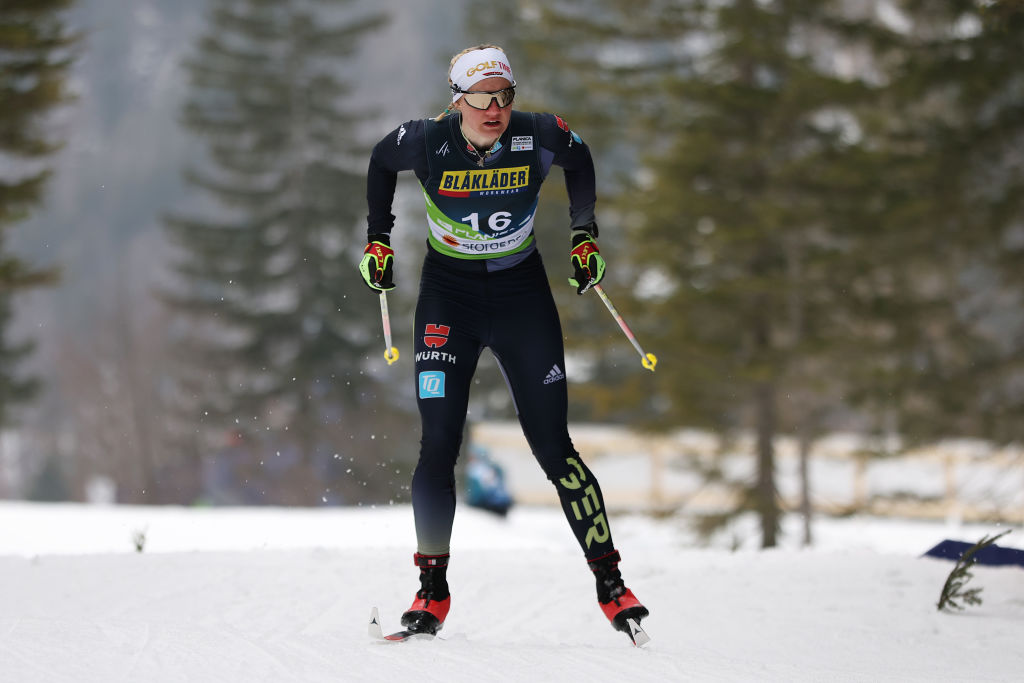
385, 319
618, 318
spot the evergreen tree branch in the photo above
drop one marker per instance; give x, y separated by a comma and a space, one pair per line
953, 589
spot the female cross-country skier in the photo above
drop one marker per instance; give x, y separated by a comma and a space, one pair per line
481, 166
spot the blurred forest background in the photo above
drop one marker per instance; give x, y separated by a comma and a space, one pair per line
812, 212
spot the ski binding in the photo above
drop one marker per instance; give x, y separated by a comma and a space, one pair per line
375, 631
636, 633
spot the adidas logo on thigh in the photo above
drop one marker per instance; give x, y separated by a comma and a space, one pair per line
554, 374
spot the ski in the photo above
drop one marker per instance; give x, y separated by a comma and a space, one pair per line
375, 631
636, 633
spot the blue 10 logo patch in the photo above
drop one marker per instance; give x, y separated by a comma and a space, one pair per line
431, 384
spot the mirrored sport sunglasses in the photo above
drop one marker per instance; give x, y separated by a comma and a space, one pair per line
481, 99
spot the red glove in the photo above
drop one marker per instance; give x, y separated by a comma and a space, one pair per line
377, 264
586, 260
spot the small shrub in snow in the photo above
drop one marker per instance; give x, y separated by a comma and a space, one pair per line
953, 591
139, 540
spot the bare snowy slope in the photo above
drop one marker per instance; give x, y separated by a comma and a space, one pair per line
287, 595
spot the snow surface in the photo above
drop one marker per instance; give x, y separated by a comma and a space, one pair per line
284, 595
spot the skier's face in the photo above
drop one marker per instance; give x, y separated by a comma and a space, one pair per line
484, 126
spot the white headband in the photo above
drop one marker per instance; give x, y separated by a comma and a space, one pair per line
475, 66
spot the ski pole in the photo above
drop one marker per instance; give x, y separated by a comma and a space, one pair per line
648, 360
390, 352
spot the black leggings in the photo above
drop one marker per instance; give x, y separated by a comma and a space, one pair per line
463, 308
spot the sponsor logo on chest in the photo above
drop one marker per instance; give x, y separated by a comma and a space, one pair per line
484, 183
521, 143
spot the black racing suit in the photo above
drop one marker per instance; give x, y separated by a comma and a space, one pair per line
483, 285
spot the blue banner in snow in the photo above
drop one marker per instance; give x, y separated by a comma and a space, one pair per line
993, 555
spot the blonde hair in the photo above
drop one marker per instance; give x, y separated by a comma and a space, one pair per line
448, 110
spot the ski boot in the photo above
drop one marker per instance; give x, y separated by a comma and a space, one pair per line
617, 602
430, 607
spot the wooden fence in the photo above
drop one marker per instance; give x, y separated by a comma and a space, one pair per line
955, 480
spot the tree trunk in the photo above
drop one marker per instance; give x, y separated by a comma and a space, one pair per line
765, 493
805, 485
